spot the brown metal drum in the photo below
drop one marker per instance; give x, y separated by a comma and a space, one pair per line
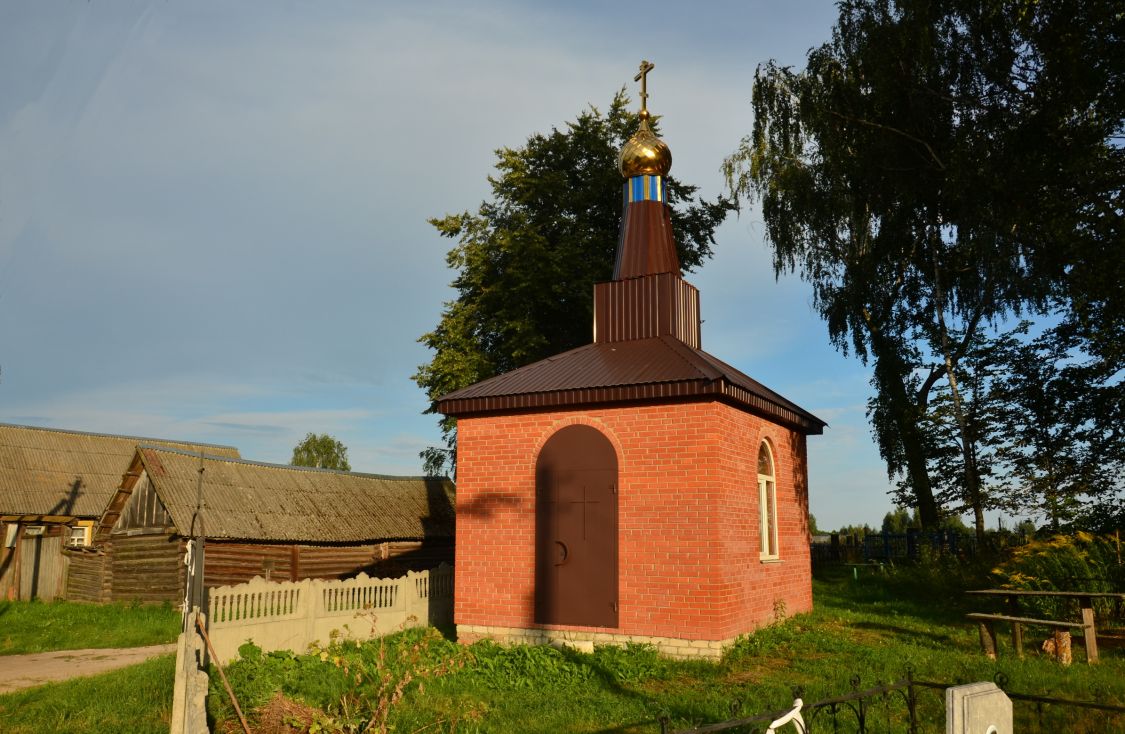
576, 529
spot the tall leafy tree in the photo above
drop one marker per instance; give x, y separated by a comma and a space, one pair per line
961, 438
936, 168
321, 451
1044, 419
527, 259
1062, 444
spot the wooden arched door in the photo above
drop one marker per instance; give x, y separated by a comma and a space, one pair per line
576, 529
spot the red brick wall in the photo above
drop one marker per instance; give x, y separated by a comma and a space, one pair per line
688, 519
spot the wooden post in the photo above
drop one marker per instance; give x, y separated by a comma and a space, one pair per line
988, 639
1089, 635
1017, 639
1017, 628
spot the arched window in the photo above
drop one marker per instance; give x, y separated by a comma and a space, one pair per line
767, 504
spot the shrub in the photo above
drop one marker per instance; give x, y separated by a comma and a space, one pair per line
345, 686
936, 576
1079, 562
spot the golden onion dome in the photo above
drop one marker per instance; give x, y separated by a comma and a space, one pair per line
644, 154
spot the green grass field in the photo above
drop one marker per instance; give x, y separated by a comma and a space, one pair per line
874, 627
27, 627
133, 700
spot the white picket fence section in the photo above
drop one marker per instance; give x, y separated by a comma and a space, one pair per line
290, 615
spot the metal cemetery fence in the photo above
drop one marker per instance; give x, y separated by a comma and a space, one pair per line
909, 706
885, 547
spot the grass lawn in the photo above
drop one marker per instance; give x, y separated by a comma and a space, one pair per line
137, 700
875, 628
36, 626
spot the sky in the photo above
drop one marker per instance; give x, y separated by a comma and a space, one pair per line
213, 215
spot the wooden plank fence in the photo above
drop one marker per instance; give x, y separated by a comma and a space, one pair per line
291, 615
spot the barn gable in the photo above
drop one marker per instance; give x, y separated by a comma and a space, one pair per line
144, 510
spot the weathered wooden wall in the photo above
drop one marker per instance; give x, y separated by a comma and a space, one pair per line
406, 555
335, 562
87, 579
147, 568
234, 563
42, 568
36, 566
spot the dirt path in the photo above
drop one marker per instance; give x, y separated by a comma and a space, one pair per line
24, 671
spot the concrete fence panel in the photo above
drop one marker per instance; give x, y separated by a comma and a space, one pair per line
291, 615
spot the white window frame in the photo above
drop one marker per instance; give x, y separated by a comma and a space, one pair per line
79, 536
768, 547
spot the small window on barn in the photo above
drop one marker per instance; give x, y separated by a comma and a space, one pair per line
11, 532
79, 537
767, 504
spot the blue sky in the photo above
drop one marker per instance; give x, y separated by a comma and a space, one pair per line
213, 215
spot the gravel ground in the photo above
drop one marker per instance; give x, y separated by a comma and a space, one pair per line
24, 671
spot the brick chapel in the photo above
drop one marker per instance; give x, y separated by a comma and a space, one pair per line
636, 488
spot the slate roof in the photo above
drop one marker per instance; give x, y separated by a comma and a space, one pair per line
48, 471
248, 500
657, 368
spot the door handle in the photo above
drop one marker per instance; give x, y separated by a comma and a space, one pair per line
564, 552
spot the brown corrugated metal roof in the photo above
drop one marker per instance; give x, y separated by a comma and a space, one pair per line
248, 500
660, 368
48, 471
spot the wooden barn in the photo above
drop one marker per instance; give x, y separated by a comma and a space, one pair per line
54, 487
270, 520
636, 489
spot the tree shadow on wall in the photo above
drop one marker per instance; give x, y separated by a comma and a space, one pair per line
487, 504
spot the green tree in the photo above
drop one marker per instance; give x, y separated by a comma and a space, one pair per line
321, 451
898, 521
1062, 446
527, 260
860, 531
961, 438
935, 168
1044, 418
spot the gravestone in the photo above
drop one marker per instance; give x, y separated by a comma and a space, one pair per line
977, 708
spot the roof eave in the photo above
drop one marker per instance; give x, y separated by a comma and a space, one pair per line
660, 392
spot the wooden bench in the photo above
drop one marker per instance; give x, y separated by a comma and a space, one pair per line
988, 632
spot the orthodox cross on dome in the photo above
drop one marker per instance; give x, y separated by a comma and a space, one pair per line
644, 154
646, 246
642, 77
